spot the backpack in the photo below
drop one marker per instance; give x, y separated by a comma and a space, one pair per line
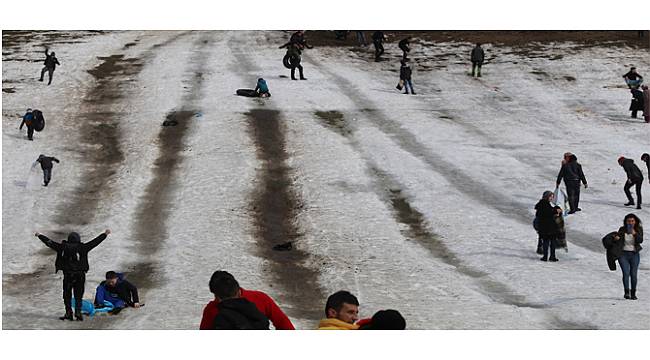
71, 255
39, 120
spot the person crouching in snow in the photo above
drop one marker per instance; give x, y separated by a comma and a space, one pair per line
548, 230
405, 76
118, 291
28, 120
341, 311
262, 88
46, 165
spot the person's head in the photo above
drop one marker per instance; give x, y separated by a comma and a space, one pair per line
29, 110
260, 80
620, 160
386, 320
631, 219
74, 237
224, 286
633, 69
53, 53
548, 196
645, 157
342, 305
111, 278
478, 44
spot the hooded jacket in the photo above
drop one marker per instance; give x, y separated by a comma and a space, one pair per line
637, 100
633, 172
123, 290
46, 162
51, 61
239, 314
478, 55
264, 304
72, 255
571, 171
336, 324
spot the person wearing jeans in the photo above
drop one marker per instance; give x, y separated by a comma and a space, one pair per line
626, 247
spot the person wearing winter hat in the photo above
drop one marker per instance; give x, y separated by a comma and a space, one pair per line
646, 158
341, 311
72, 259
634, 178
385, 320
545, 213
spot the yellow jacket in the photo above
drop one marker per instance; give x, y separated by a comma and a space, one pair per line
336, 324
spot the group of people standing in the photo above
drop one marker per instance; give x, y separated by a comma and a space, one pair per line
640, 98
622, 246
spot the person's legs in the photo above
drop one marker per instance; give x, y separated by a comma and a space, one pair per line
634, 268
624, 263
552, 245
540, 245
78, 288
50, 73
634, 112
46, 176
639, 199
573, 191
381, 50
545, 243
474, 68
293, 73
627, 187
43, 73
30, 132
302, 77
67, 295
478, 70
377, 45
406, 86
411, 85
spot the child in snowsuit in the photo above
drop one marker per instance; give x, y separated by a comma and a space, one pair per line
72, 259
28, 119
50, 64
46, 165
405, 76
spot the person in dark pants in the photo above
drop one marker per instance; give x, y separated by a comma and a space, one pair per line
404, 46
72, 259
405, 75
118, 291
361, 38
296, 44
572, 174
646, 158
477, 57
634, 178
632, 78
28, 120
625, 247
637, 102
50, 64
547, 227
46, 165
378, 38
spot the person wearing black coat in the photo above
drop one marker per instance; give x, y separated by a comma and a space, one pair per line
72, 259
571, 172
296, 44
378, 40
637, 102
50, 64
634, 178
646, 159
46, 166
477, 57
404, 46
405, 75
625, 246
546, 225
632, 78
235, 312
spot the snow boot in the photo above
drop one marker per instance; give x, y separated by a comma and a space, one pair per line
303, 78
629, 203
78, 316
553, 259
116, 310
638, 207
633, 295
627, 294
544, 259
67, 316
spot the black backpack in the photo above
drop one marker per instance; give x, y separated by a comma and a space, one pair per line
71, 256
39, 120
239, 314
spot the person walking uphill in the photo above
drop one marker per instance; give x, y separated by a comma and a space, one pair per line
46, 165
72, 259
477, 57
405, 77
404, 46
50, 64
546, 225
572, 174
634, 178
28, 120
378, 38
625, 246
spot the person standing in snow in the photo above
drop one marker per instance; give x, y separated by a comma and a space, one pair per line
646, 158
646, 103
378, 38
637, 103
28, 120
72, 259
626, 247
404, 46
571, 172
405, 77
632, 78
545, 213
222, 284
118, 291
341, 311
477, 58
50, 64
634, 178
361, 38
295, 46
46, 165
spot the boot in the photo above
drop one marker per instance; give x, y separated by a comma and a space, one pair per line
544, 259
553, 259
116, 310
627, 294
629, 203
633, 294
638, 207
67, 316
78, 315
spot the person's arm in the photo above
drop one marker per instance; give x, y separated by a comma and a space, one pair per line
55, 160
100, 295
57, 61
207, 320
582, 175
96, 241
560, 175
21, 124
48, 242
639, 236
46, 50
277, 316
133, 292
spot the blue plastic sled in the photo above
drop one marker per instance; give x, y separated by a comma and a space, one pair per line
89, 309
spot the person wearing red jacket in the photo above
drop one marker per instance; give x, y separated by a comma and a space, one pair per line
262, 301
